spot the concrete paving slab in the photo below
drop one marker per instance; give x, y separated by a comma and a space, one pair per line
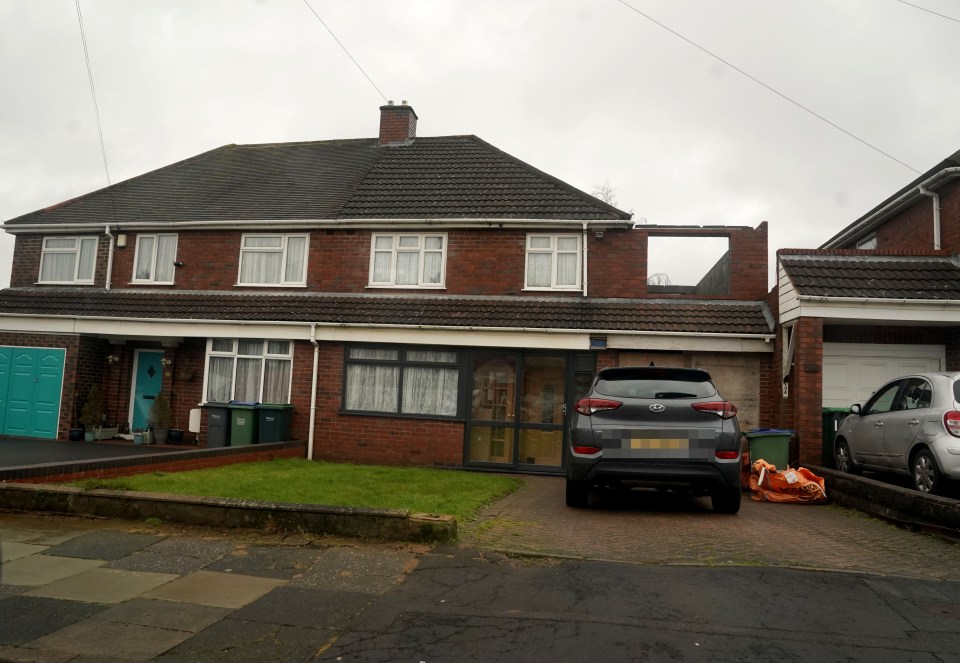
11, 550
17, 655
103, 585
14, 535
158, 563
299, 606
368, 570
224, 590
26, 618
107, 545
11, 590
164, 614
42, 569
268, 561
131, 642
205, 548
236, 641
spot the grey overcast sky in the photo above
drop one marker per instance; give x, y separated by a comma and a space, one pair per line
591, 92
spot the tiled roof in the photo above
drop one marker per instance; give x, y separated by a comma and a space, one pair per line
430, 311
930, 278
453, 176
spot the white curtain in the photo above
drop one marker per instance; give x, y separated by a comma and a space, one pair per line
430, 391
567, 264
408, 266
144, 257
372, 388
219, 379
296, 259
166, 254
247, 387
538, 270
276, 381
260, 267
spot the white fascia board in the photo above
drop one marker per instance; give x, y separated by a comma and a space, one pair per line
568, 339
690, 343
895, 310
308, 224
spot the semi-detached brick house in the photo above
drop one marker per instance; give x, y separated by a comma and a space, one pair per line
878, 300
427, 301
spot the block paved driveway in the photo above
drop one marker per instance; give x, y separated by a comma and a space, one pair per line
668, 529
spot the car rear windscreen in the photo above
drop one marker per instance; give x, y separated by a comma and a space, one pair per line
668, 384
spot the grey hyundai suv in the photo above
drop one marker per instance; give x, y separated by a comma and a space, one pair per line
662, 427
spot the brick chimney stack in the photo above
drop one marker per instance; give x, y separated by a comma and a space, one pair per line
398, 124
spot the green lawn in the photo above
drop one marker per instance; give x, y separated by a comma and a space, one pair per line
419, 490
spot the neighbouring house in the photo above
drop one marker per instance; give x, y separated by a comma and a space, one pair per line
417, 300
879, 299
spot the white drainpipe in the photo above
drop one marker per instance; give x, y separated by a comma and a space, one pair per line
936, 214
313, 389
584, 258
106, 229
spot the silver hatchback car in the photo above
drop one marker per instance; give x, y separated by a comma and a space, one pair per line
910, 425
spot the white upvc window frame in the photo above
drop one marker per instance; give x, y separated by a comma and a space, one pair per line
235, 355
395, 249
283, 250
76, 250
554, 250
153, 258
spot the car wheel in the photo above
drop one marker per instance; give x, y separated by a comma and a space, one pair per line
843, 458
926, 474
578, 493
726, 499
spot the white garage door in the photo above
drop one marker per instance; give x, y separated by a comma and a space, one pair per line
853, 371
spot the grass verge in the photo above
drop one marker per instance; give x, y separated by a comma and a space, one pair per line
418, 490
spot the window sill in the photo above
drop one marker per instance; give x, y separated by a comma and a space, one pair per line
89, 283
401, 415
564, 289
151, 283
406, 287
270, 285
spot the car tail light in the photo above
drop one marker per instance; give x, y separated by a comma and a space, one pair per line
586, 451
590, 406
724, 409
951, 421
727, 455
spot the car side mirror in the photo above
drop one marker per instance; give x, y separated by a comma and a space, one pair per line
855, 408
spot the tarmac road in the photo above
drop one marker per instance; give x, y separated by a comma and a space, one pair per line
651, 577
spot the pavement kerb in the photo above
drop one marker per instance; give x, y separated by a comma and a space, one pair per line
382, 524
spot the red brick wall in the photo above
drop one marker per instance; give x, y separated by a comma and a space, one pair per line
807, 390
487, 262
366, 439
913, 227
25, 268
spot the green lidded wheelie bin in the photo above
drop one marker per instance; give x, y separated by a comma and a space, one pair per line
832, 416
770, 444
243, 423
273, 422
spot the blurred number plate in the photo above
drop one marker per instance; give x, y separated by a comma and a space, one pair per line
659, 443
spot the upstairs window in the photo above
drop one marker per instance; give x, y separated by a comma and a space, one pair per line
154, 258
273, 260
252, 370
553, 262
68, 259
408, 260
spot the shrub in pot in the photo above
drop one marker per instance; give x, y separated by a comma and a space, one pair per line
160, 418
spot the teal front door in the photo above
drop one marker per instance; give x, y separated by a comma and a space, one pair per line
31, 380
147, 382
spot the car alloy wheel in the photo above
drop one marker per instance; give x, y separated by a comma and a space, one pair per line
843, 459
926, 475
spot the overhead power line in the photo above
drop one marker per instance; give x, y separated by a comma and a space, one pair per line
929, 11
768, 87
93, 92
345, 50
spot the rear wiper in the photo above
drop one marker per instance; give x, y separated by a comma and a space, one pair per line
673, 394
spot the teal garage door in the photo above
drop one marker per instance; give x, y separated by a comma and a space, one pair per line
30, 383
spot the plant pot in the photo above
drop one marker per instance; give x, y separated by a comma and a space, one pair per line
138, 438
75, 435
89, 436
175, 436
148, 437
160, 435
